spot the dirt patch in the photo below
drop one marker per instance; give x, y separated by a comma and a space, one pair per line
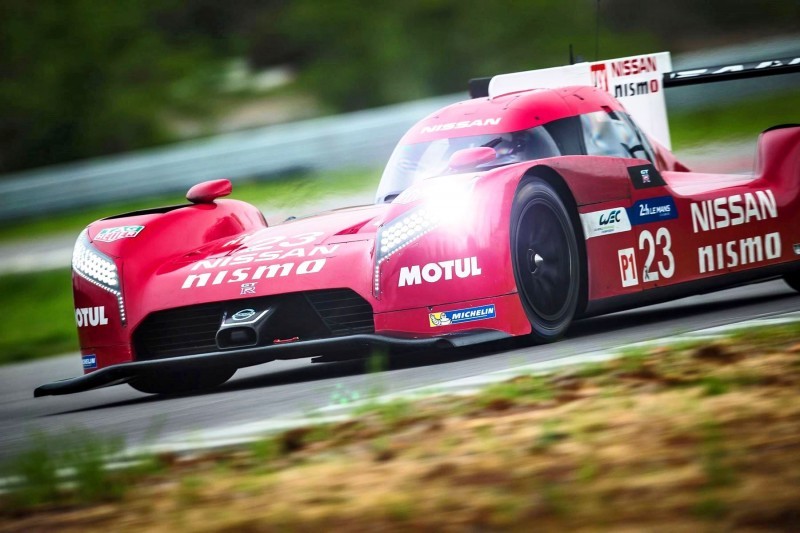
696, 438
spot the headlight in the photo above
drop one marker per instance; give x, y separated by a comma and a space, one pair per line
446, 204
404, 230
399, 233
98, 269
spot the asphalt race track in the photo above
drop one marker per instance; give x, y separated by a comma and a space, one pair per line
285, 388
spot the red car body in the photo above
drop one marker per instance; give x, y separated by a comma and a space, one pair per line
448, 273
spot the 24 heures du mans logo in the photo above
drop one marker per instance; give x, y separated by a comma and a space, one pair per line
657, 209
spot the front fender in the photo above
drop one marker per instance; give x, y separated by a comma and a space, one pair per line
138, 244
466, 256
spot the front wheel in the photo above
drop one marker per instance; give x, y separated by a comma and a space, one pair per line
546, 259
182, 381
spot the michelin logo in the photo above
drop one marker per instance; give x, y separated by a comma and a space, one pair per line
652, 210
447, 318
89, 361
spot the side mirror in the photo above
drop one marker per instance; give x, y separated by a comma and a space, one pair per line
469, 158
208, 191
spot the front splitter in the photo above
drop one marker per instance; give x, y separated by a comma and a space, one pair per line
240, 358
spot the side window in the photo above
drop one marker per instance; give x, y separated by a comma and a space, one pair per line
566, 134
642, 138
612, 134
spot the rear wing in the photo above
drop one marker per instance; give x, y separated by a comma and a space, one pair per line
740, 71
638, 82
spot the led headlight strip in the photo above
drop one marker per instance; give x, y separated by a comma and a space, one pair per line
98, 269
399, 233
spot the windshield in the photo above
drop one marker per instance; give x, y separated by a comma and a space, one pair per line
414, 162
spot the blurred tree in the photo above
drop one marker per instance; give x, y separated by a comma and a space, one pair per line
80, 78
688, 24
371, 52
83, 77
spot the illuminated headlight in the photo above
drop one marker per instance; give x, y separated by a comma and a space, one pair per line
445, 204
399, 233
98, 269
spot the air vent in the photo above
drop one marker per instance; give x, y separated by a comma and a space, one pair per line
311, 315
343, 311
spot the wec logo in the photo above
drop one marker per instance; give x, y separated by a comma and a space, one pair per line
610, 218
606, 222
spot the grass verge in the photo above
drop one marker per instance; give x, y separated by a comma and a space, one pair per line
637, 443
726, 122
69, 470
290, 190
40, 321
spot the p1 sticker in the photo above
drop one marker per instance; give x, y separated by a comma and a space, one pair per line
89, 361
627, 267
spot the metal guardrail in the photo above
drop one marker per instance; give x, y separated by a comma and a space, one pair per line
363, 138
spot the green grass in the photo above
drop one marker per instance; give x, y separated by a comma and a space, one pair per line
726, 122
287, 191
39, 319
523, 389
391, 412
68, 468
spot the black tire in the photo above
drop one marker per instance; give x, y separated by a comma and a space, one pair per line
546, 259
182, 381
793, 280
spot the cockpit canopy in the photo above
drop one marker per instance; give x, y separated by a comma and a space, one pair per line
604, 133
413, 162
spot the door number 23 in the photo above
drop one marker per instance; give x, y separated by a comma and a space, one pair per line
665, 267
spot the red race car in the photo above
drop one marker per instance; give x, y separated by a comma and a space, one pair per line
537, 201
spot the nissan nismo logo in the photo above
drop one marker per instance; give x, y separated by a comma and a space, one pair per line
244, 314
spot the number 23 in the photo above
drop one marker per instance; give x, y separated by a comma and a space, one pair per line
662, 240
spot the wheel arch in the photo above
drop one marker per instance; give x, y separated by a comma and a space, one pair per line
553, 178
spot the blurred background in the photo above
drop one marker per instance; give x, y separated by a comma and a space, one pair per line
114, 106
83, 78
